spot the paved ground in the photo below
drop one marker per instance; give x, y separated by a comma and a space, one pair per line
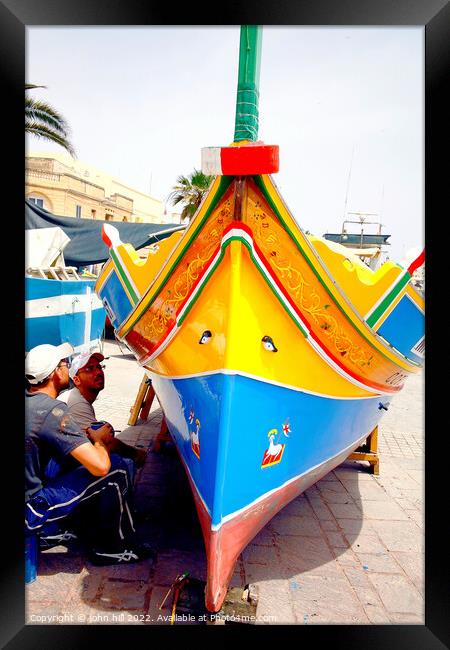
350, 550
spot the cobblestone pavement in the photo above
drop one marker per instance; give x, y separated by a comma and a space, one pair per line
350, 550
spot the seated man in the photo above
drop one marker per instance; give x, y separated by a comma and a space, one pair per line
95, 493
86, 373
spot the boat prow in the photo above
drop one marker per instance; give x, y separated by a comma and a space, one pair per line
268, 374
272, 356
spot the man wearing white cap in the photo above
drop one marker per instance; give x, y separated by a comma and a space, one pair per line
95, 493
86, 373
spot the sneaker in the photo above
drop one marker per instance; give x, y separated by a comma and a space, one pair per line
60, 539
128, 554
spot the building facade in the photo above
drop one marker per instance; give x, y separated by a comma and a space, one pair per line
68, 187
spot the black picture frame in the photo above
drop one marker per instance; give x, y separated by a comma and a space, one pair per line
434, 16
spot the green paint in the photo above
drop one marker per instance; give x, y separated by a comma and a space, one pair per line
260, 183
258, 266
379, 311
223, 185
121, 272
247, 118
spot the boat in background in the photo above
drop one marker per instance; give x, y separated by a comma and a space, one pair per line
367, 246
398, 315
60, 305
264, 345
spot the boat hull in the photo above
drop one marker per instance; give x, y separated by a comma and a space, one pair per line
222, 426
58, 311
267, 372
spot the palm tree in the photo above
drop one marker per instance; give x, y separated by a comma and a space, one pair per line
43, 121
190, 190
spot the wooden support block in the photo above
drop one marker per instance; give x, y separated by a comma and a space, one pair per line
163, 436
147, 403
369, 452
140, 397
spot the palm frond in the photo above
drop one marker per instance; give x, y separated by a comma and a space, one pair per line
190, 190
46, 132
40, 111
43, 121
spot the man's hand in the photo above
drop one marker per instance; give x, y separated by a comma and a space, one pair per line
104, 435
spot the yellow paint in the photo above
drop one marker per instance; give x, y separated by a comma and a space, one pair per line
416, 297
362, 286
141, 271
154, 284
239, 308
351, 314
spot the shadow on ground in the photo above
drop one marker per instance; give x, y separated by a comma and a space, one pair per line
294, 542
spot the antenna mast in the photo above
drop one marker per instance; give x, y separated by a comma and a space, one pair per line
348, 182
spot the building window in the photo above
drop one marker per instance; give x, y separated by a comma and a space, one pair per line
39, 202
78, 211
93, 213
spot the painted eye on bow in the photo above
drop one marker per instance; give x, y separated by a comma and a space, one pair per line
206, 337
269, 344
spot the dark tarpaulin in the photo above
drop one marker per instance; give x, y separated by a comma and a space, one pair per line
86, 245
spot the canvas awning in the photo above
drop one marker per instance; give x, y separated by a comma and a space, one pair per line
86, 245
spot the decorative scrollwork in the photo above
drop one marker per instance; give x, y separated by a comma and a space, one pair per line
162, 313
307, 295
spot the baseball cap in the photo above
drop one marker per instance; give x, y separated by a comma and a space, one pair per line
82, 360
42, 360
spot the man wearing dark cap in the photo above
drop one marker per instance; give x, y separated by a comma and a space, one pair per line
95, 493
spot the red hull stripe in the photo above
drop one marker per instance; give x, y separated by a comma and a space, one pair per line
313, 336
236, 225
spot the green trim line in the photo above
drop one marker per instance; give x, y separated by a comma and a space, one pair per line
260, 183
384, 305
225, 182
274, 290
121, 272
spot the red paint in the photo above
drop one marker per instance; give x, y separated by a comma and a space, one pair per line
149, 350
417, 263
250, 159
271, 460
224, 546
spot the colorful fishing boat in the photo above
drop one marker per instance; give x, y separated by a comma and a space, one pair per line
272, 354
60, 305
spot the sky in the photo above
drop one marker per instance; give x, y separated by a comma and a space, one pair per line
344, 104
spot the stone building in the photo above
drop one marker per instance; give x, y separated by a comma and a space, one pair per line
68, 187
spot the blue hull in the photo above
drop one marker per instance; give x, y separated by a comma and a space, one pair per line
404, 328
235, 415
60, 311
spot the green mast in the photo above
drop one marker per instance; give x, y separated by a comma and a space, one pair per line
247, 122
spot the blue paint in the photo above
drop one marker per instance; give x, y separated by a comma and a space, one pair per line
229, 474
59, 329
64, 327
114, 297
36, 288
31, 558
404, 327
